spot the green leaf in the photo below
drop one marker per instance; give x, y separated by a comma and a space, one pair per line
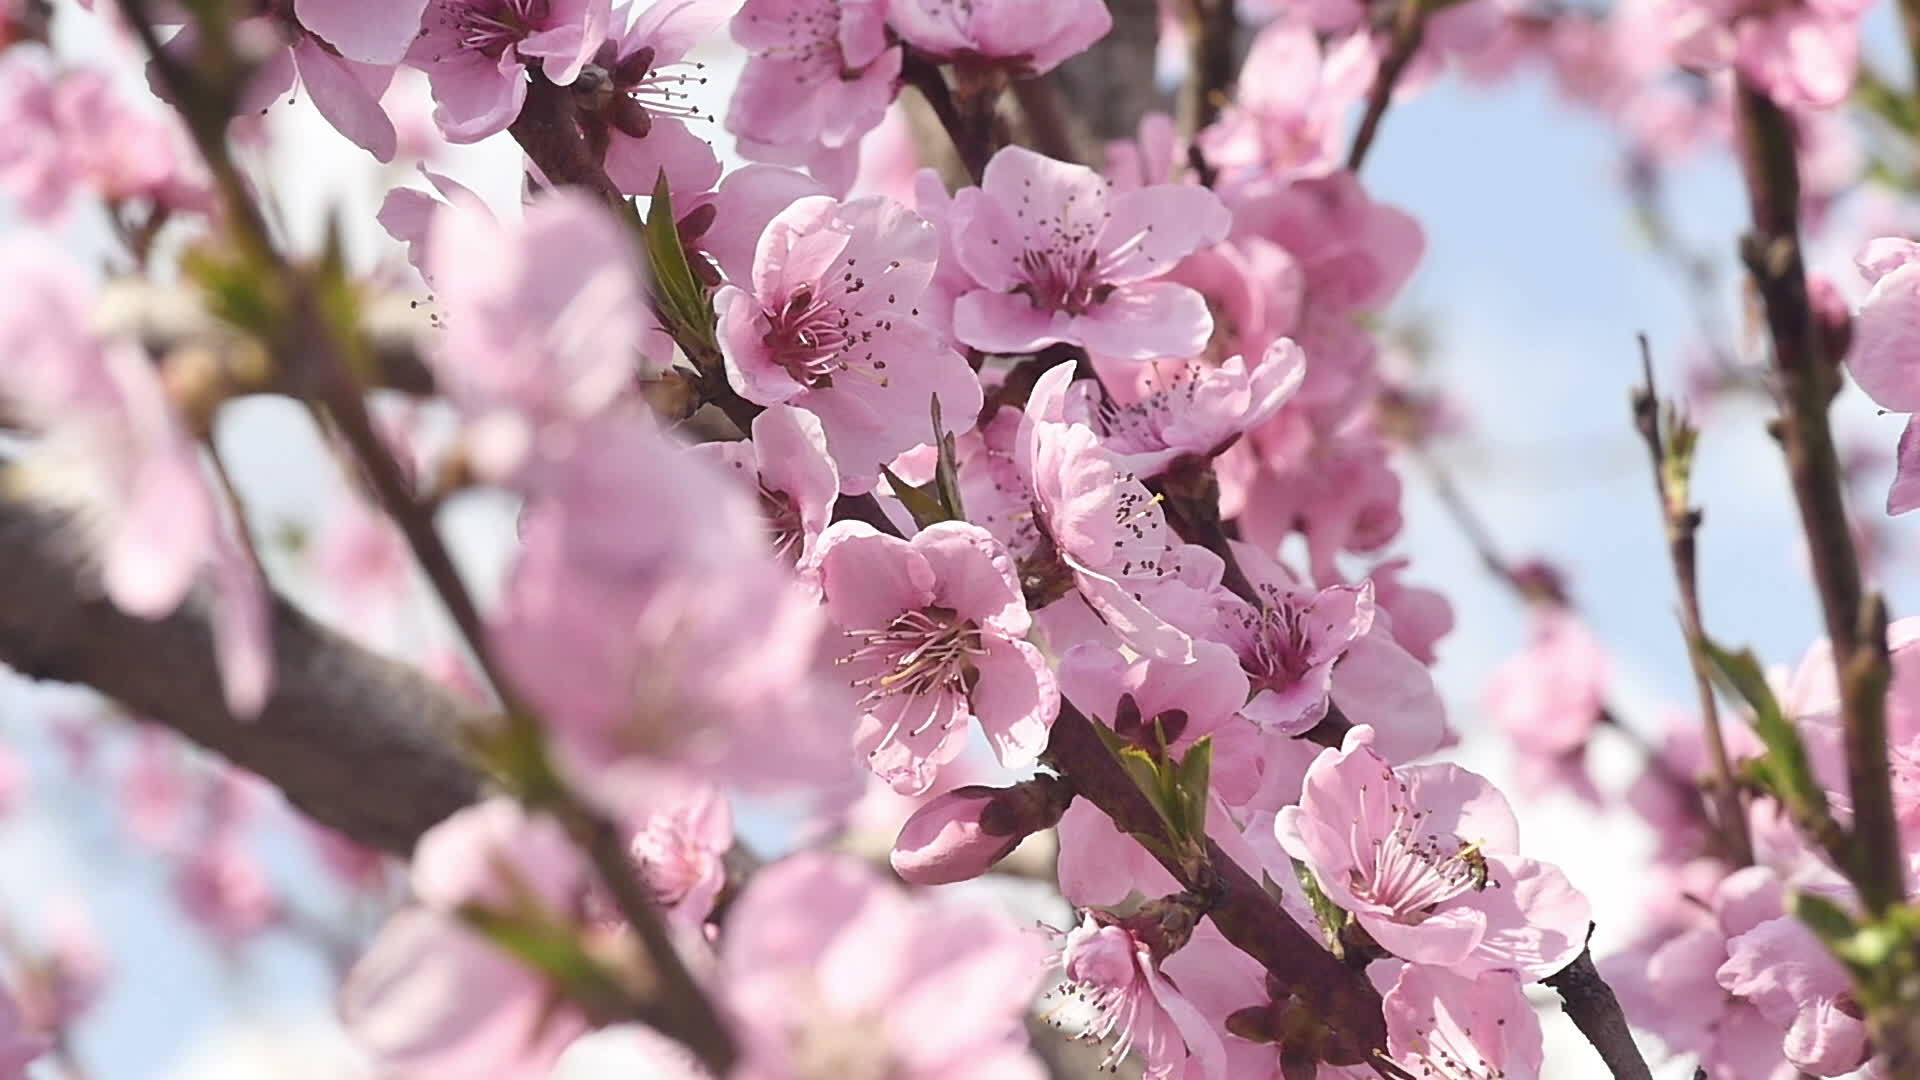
1191, 780
925, 507
946, 476
1828, 920
678, 295
1332, 917
552, 949
1788, 771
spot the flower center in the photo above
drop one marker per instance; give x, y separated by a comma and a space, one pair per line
1415, 869
920, 652
783, 522
664, 855
490, 27
827, 330
1277, 646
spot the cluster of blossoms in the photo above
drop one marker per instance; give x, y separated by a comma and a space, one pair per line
1052, 458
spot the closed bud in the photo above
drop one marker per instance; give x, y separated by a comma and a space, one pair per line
961, 834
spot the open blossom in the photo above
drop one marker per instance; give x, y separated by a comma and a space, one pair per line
1179, 408
1420, 856
641, 114
1289, 644
787, 466
1111, 968
828, 324
829, 971
934, 632
477, 53
1441, 1024
1798, 985
541, 317
819, 75
1109, 532
112, 444
1060, 257
682, 830
1025, 38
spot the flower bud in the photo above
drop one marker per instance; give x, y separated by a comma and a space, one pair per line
961, 834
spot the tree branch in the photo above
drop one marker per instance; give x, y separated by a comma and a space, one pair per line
356, 741
1590, 1004
1409, 28
1211, 27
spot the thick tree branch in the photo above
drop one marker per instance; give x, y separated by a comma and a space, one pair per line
1211, 29
1590, 1004
358, 742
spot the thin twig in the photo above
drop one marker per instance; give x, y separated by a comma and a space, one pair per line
1211, 27
1808, 379
1409, 27
1682, 525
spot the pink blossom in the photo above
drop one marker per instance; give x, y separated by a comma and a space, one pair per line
431, 997
819, 75
1024, 39
1420, 616
1419, 855
19, 1045
408, 215
353, 865
64, 978
1802, 54
787, 466
1338, 491
935, 630
1289, 644
541, 320
476, 54
73, 133
223, 887
1289, 119
1111, 968
642, 112
1357, 253
1443, 1024
1882, 357
645, 618
368, 31
829, 324
1059, 257
1551, 695
1179, 408
682, 831
823, 962
1109, 532
112, 442
1797, 984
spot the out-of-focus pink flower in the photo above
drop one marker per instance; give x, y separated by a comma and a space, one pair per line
682, 829
1179, 408
1025, 39
1443, 1024
935, 633
646, 618
1059, 257
19, 1046
1797, 984
64, 977
822, 961
962, 833
1803, 55
1419, 856
1420, 617
787, 466
820, 75
477, 53
431, 997
353, 865
829, 325
1111, 968
1882, 359
542, 318
1289, 118
1551, 695
223, 887
641, 115
112, 443
73, 133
